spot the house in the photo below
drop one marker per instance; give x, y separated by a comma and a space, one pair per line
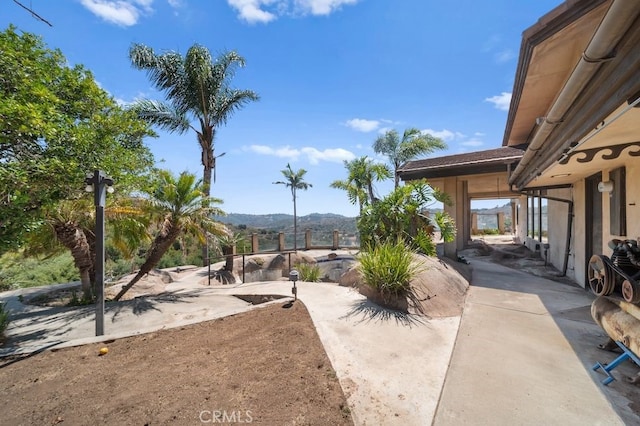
572, 139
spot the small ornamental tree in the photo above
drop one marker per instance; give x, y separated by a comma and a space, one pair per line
399, 218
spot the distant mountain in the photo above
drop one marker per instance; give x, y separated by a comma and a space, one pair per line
506, 209
284, 222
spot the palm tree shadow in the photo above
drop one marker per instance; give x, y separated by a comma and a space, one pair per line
365, 311
143, 304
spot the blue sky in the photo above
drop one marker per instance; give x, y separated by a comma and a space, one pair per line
332, 75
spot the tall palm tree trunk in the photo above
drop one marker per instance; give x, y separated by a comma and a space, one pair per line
372, 197
295, 222
160, 245
72, 237
208, 162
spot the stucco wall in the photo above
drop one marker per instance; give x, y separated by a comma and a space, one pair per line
522, 218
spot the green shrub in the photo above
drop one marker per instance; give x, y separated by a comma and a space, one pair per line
487, 231
388, 267
18, 271
423, 243
4, 321
308, 272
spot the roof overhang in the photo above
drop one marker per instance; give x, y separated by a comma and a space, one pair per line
579, 70
471, 163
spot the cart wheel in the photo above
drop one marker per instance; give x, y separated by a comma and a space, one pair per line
630, 291
601, 278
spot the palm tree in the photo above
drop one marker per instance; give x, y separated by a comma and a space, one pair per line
179, 206
68, 227
197, 89
414, 143
362, 173
295, 181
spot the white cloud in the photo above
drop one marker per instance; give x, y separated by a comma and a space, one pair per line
500, 101
504, 56
283, 152
175, 3
121, 102
362, 125
264, 11
472, 142
334, 155
322, 7
444, 134
383, 130
313, 155
120, 12
459, 138
252, 10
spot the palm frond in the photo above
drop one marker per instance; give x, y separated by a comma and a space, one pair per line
165, 71
230, 101
161, 114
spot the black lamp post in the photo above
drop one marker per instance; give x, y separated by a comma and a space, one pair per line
99, 183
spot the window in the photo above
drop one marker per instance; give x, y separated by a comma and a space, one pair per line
537, 219
618, 202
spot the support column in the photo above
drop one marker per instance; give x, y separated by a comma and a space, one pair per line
514, 217
281, 246
307, 239
460, 212
474, 223
465, 205
254, 243
501, 222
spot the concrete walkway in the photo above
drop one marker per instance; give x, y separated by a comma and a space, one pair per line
523, 349
523, 356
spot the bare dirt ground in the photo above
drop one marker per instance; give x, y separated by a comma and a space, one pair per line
266, 366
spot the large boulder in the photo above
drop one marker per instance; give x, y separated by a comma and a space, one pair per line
437, 291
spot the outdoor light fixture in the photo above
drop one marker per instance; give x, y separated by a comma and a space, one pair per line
100, 184
293, 276
606, 186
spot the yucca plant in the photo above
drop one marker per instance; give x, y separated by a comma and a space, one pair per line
308, 272
388, 267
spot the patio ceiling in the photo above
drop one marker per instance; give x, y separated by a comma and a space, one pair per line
547, 57
579, 66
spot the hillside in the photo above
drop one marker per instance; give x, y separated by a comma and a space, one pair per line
284, 222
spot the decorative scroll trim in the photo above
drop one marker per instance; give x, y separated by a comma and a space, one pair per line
589, 154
